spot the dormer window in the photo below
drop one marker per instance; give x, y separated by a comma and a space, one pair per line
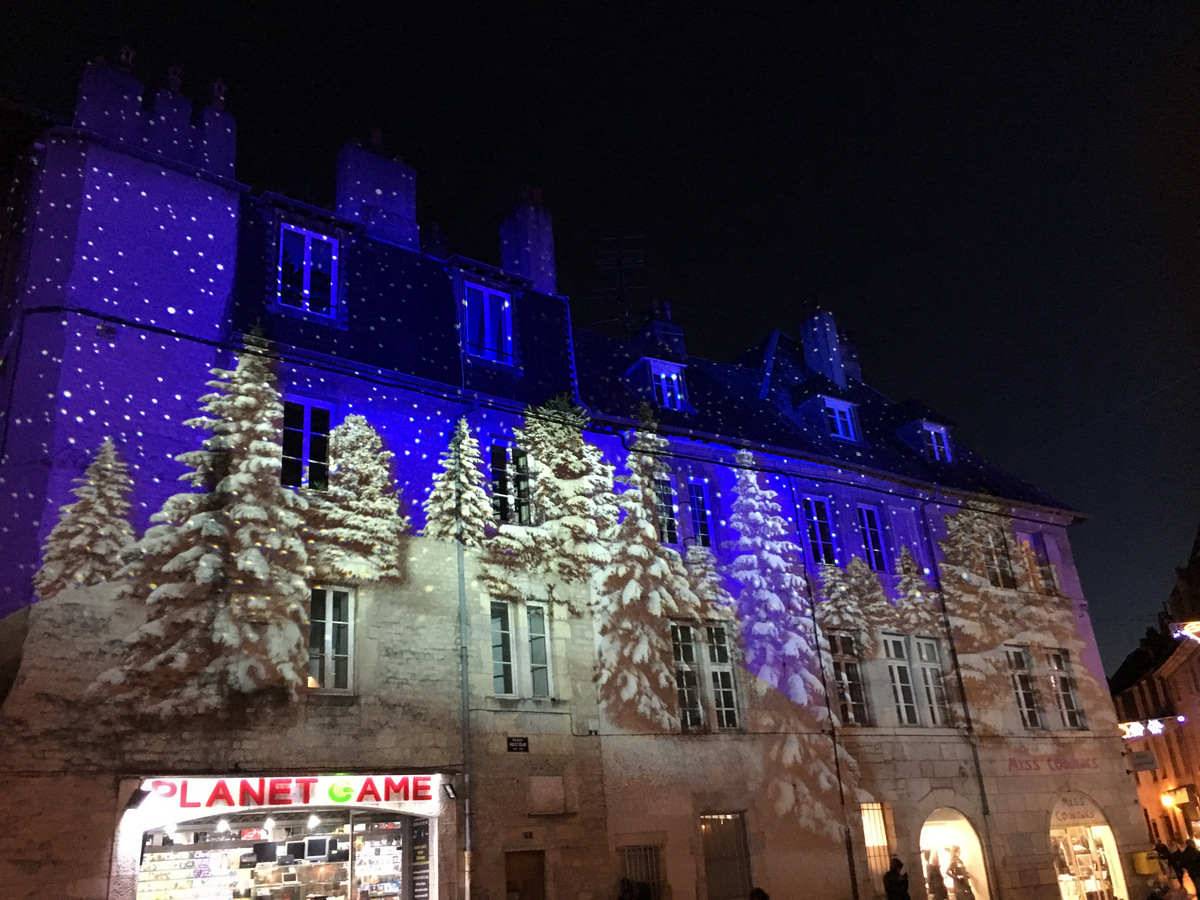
670, 390
937, 442
308, 267
840, 416
487, 320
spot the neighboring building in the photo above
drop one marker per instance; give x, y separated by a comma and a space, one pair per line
803, 629
1157, 694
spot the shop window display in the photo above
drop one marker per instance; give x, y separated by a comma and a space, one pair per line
952, 858
1086, 860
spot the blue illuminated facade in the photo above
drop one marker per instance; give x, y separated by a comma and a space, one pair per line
144, 264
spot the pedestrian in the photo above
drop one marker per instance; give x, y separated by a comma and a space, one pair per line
1175, 860
895, 882
1189, 859
957, 870
935, 882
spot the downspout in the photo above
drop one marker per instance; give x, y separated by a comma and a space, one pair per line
972, 737
837, 763
463, 651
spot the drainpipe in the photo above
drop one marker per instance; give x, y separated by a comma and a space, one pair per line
464, 631
972, 738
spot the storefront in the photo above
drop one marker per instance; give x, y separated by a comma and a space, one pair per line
1085, 852
350, 837
952, 858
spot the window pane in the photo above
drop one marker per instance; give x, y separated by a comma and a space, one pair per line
538, 663
320, 420
320, 276
291, 267
698, 500
292, 473
318, 605
502, 679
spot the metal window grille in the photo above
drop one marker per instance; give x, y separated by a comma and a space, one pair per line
502, 661
932, 685
847, 675
539, 657
903, 694
641, 866
1021, 675
687, 678
820, 535
868, 521
664, 501
879, 854
698, 502
1062, 682
329, 639
305, 446
726, 856
510, 485
999, 565
488, 315
721, 672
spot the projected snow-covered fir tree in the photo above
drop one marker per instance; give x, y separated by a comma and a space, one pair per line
458, 506
573, 507
84, 548
222, 571
780, 648
640, 589
708, 584
854, 602
355, 528
917, 608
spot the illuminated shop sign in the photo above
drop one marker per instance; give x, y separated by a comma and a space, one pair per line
1147, 727
196, 795
1186, 629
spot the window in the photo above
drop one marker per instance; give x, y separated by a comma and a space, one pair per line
1020, 670
726, 856
840, 416
1037, 561
1064, 688
876, 819
999, 565
689, 677
904, 696
510, 485
664, 501
305, 446
520, 649
330, 639
937, 443
820, 536
701, 516
930, 683
307, 270
847, 674
487, 314
640, 865
670, 390
868, 523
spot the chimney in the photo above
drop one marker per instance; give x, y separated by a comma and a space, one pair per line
827, 351
527, 243
379, 192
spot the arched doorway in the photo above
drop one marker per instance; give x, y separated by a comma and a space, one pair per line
1085, 853
952, 858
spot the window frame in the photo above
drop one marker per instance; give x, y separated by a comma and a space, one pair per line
511, 484
931, 681
1024, 685
700, 512
1065, 688
666, 514
997, 561
822, 549
308, 434
705, 683
327, 630
901, 681
668, 384
500, 349
937, 442
846, 668
518, 642
1037, 561
840, 419
872, 535
304, 308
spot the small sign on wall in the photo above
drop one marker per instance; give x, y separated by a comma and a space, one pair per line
1143, 761
518, 745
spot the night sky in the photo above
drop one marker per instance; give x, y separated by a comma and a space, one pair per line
1001, 202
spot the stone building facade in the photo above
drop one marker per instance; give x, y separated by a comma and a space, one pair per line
811, 631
